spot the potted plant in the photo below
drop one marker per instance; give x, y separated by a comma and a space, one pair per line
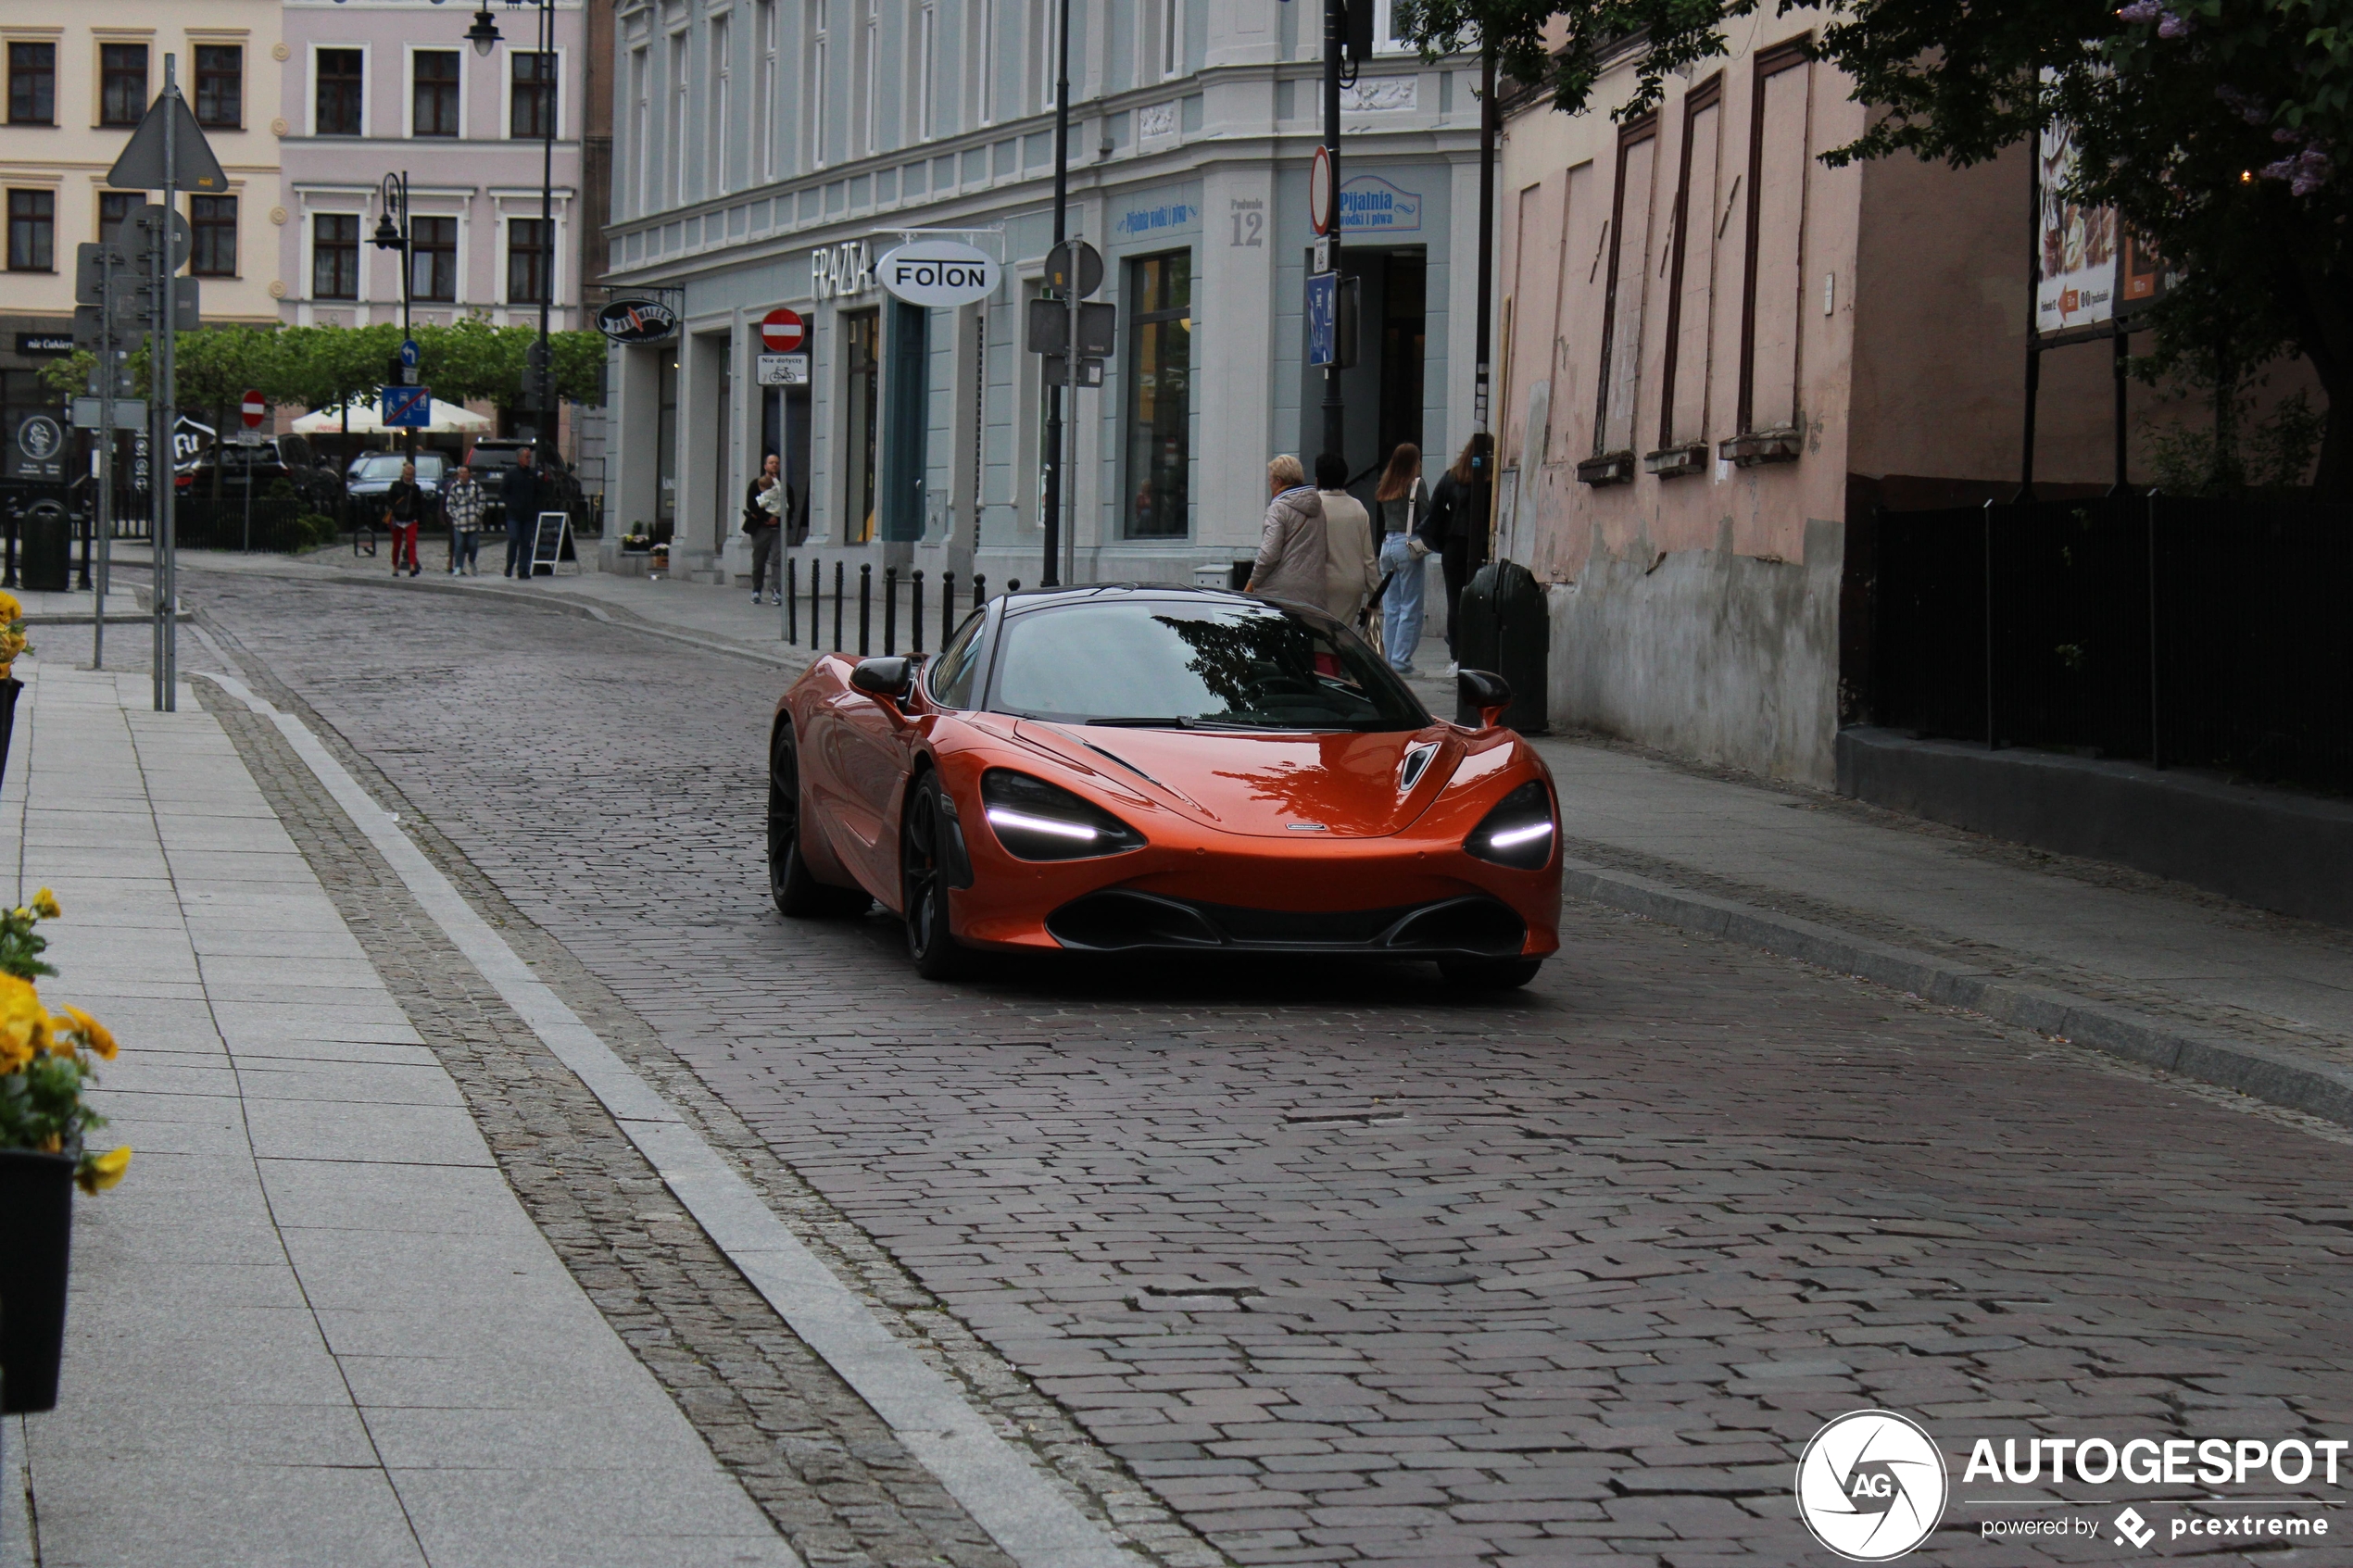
47, 1067
12, 642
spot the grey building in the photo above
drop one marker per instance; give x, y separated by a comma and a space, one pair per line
770, 152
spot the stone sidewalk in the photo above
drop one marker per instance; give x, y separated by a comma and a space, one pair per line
313, 1324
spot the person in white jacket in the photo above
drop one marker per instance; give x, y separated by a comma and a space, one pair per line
1351, 560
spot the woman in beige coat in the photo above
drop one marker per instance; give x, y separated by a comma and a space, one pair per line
1291, 548
1351, 563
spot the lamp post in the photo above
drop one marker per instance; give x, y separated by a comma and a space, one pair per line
393, 197
483, 34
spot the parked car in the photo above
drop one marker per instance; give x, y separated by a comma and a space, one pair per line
372, 473
559, 488
262, 465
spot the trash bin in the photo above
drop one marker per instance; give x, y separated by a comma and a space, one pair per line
1505, 628
45, 565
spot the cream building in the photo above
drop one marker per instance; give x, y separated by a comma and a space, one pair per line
78, 79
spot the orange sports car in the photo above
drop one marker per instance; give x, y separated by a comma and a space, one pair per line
1120, 768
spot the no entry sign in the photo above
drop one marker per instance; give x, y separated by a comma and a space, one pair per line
1322, 199
254, 409
782, 330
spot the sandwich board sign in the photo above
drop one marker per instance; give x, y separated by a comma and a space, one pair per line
549, 537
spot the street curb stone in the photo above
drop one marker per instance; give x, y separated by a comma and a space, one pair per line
2274, 1075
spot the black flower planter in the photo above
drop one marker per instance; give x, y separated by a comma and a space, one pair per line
8, 690
36, 1237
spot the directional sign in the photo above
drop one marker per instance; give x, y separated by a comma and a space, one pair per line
141, 166
783, 370
130, 413
782, 330
92, 263
1321, 201
255, 407
130, 304
1323, 318
406, 405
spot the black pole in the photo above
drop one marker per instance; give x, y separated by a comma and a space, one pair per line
915, 611
2156, 683
1482, 353
1050, 501
865, 606
837, 565
2033, 340
544, 69
890, 610
1992, 742
2123, 361
1335, 411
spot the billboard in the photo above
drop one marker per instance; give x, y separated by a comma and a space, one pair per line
2076, 250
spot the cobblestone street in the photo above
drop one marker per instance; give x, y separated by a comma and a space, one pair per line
1338, 1265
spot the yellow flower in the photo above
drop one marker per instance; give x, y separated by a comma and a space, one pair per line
45, 904
61, 1032
16, 1050
94, 1033
9, 608
100, 1171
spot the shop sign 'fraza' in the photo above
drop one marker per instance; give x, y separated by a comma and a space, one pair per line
839, 272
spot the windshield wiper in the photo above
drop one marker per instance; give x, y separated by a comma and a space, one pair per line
1163, 722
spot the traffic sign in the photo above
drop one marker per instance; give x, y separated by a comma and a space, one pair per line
255, 407
783, 370
130, 413
1086, 260
1323, 317
1322, 200
782, 330
92, 265
135, 237
409, 406
141, 166
131, 307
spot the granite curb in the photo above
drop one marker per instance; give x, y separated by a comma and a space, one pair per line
2272, 1074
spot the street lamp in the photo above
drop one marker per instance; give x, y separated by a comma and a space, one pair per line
393, 197
482, 35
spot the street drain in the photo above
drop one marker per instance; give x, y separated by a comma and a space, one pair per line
1429, 1276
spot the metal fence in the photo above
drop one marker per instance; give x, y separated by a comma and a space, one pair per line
859, 622
2191, 632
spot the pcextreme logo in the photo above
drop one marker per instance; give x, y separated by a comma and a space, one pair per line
1871, 1486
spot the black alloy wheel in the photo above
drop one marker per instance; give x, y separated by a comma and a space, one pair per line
796, 889
1488, 975
924, 886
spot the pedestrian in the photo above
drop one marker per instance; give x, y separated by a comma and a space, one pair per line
1404, 500
518, 492
404, 513
1291, 544
764, 506
1352, 569
1448, 532
463, 501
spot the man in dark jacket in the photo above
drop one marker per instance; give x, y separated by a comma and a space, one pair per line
405, 506
518, 491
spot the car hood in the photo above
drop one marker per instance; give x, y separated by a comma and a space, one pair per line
1291, 786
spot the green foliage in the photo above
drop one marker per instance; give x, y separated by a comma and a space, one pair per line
318, 529
41, 1105
2240, 452
21, 945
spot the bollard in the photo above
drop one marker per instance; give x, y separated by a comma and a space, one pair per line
890, 611
866, 604
915, 610
792, 601
980, 589
837, 570
947, 606
1013, 586
816, 607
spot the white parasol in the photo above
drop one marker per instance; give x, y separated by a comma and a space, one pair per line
449, 419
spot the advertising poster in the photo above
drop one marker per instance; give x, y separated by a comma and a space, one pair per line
2075, 262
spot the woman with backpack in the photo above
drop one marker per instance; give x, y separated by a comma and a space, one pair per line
1403, 501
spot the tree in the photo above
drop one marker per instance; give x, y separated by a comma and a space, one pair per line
2214, 128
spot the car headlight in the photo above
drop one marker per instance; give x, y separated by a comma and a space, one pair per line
1519, 831
1035, 820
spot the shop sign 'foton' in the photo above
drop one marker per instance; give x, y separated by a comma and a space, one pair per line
939, 273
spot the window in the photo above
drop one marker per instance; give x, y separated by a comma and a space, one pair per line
988, 62
716, 133
527, 258
32, 230
1160, 400
214, 219
1172, 37
869, 108
769, 127
531, 108
1775, 218
433, 93
926, 61
862, 330
679, 90
433, 258
32, 84
335, 255
641, 126
818, 45
1045, 16
1629, 249
1691, 292
116, 205
220, 86
122, 84
341, 79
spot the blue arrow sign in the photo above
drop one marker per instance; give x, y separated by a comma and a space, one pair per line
1323, 316
408, 353
406, 405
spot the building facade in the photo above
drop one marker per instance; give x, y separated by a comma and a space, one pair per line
77, 86
770, 153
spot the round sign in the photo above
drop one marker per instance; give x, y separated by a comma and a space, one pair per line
939, 273
254, 409
783, 331
1074, 261
1871, 1486
1320, 192
637, 320
40, 437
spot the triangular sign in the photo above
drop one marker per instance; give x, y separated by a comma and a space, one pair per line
141, 166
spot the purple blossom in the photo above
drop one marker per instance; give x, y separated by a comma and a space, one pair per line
2246, 105
2287, 134
2139, 11
2172, 25
2305, 171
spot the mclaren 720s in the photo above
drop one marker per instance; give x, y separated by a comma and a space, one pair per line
1126, 769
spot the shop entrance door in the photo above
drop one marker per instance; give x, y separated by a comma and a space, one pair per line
1383, 389
784, 430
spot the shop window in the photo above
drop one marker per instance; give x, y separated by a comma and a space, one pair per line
1622, 302
531, 108
1691, 272
32, 84
527, 258
433, 258
32, 230
1160, 399
335, 255
1776, 226
342, 83
433, 93
214, 222
862, 388
220, 86
122, 84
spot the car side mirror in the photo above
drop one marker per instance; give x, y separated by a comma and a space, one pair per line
1485, 692
889, 679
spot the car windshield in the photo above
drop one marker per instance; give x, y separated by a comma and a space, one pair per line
1204, 663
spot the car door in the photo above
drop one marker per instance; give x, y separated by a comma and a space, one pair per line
874, 749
